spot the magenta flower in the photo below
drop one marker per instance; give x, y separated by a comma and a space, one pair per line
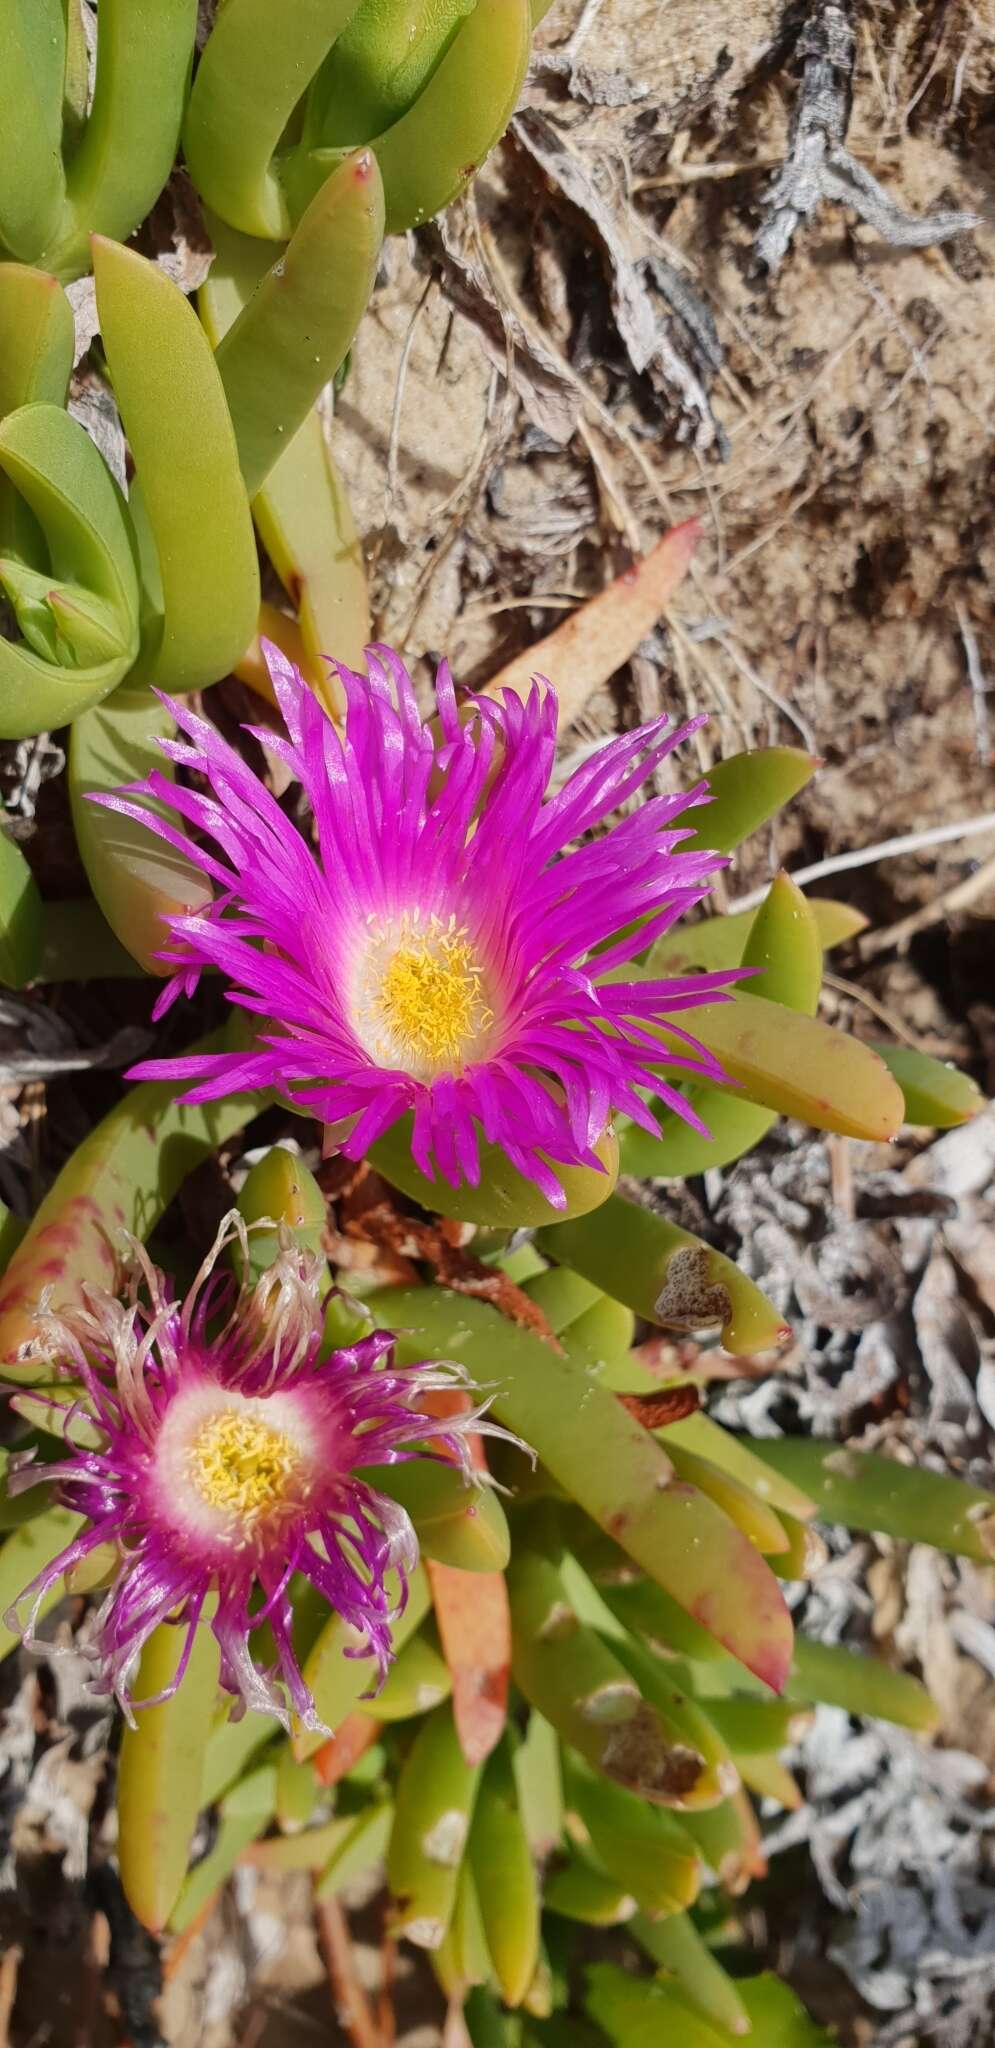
227, 1463
439, 952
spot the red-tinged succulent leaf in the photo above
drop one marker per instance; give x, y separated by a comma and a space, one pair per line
471, 1610
595, 641
121, 1178
337, 1757
610, 1465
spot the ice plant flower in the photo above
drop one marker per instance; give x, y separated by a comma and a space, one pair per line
222, 1455
452, 947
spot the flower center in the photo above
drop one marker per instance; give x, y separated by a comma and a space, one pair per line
242, 1466
422, 996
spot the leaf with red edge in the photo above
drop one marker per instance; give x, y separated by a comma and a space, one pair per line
474, 1622
596, 640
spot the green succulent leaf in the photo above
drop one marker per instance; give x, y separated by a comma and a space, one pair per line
335, 1679
676, 1946
429, 154
863, 1490
578, 1890
137, 879
359, 1851
503, 1196
255, 66
610, 1465
436, 1792
746, 790
302, 513
126, 149
190, 507
719, 941
935, 1094
861, 1684
418, 1680
279, 1188
20, 916
586, 1688
505, 1878
122, 1177
80, 625
666, 1274
298, 325
160, 1773
27, 1550
455, 1523
36, 339
379, 66
644, 1847
32, 182
245, 1814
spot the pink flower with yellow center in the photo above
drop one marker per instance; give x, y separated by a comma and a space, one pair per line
450, 946
223, 1457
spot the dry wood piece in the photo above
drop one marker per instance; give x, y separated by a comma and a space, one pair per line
819, 166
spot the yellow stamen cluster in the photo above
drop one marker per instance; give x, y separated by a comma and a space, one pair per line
425, 996
242, 1466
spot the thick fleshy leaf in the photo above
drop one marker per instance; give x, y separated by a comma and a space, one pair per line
297, 1791
861, 1684
462, 1957
361, 1851
757, 1521
736, 1455
379, 66
577, 1682
160, 1773
864, 1490
474, 1623
418, 1680
610, 1465
245, 1814
799, 1066
436, 1791
25, 1553
50, 675
336, 1680
539, 1785
125, 153
504, 1196
304, 522
121, 1177
666, 1274
191, 505
136, 877
309, 1850
935, 1093
505, 1879
280, 1189
579, 1890
644, 1847
355, 1737
36, 358
676, 1946
752, 1728
456, 1523
730, 1842
432, 152
295, 331
636, 2013
301, 513
594, 642
719, 941
746, 790
230, 1747
20, 917
254, 69
32, 182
